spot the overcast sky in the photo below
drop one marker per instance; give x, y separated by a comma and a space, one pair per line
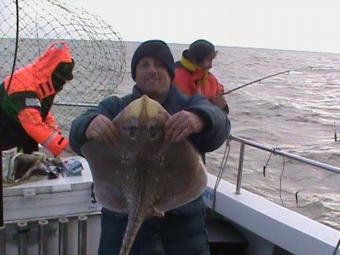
311, 25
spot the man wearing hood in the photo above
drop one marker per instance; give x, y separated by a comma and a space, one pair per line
26, 99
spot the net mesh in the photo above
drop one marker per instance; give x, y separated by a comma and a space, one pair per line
98, 50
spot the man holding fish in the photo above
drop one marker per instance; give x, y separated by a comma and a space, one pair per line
145, 152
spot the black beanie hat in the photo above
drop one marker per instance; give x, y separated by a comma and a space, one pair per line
155, 49
199, 50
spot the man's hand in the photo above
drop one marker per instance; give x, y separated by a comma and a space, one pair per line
102, 130
182, 124
220, 102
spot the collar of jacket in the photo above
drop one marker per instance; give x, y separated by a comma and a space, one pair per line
196, 71
173, 91
187, 64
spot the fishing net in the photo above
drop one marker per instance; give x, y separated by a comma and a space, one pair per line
97, 48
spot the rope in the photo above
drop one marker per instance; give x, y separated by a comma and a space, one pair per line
267, 163
281, 176
221, 171
9, 84
16, 43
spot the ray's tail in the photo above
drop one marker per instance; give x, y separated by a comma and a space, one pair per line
135, 221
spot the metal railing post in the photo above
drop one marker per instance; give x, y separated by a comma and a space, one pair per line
2, 240
240, 168
43, 237
63, 236
82, 235
22, 240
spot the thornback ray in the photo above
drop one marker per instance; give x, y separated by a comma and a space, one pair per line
141, 174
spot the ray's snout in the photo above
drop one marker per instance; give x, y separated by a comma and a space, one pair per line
145, 108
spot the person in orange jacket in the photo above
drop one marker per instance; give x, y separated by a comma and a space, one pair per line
192, 74
26, 99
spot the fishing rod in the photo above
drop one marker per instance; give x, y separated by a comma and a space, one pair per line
258, 80
272, 75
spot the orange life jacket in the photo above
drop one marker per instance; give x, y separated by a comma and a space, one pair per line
197, 82
36, 78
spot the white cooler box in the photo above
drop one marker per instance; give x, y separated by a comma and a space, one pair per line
64, 196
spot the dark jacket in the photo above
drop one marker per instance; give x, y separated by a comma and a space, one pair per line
182, 230
217, 123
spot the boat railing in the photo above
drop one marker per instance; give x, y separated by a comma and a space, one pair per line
276, 151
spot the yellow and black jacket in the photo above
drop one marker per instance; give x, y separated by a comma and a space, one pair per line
191, 80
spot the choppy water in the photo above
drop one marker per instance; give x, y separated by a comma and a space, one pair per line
297, 112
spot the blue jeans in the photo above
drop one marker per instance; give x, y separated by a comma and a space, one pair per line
180, 232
